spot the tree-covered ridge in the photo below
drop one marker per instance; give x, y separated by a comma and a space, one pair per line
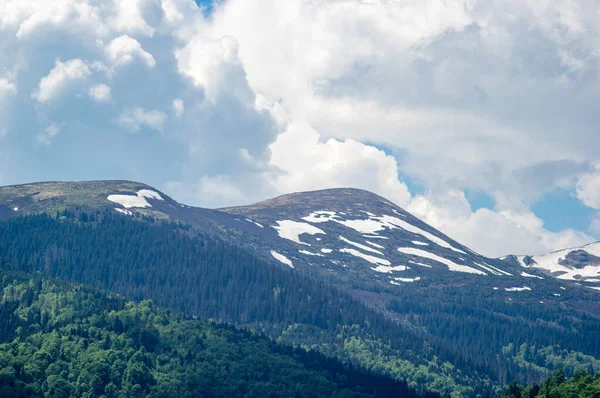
581, 385
61, 340
452, 340
513, 339
197, 274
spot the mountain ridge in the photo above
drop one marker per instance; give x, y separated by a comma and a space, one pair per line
335, 258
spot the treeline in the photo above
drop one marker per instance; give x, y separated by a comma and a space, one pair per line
62, 340
581, 385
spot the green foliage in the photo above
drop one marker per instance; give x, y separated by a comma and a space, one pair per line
60, 340
550, 358
581, 385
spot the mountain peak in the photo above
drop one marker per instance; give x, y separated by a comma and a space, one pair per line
55, 195
333, 199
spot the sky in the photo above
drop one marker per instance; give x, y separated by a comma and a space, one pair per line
480, 117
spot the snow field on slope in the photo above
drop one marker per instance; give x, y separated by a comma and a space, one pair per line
360, 246
388, 270
374, 224
282, 258
367, 257
291, 230
137, 200
452, 266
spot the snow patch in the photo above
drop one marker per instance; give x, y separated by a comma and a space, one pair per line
498, 269
526, 275
375, 244
15, 209
310, 253
517, 289
491, 271
282, 258
398, 213
407, 280
369, 258
363, 247
388, 270
452, 266
320, 216
416, 242
146, 193
421, 264
126, 212
551, 263
137, 200
291, 230
374, 224
375, 237
254, 222
326, 251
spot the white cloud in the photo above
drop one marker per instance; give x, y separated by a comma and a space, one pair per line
7, 88
588, 189
128, 16
60, 77
99, 92
213, 64
308, 164
178, 107
28, 17
124, 50
273, 96
492, 233
133, 119
49, 134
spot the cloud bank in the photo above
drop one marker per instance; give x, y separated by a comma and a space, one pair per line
264, 97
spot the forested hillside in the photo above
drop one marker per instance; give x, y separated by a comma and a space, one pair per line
454, 340
581, 385
61, 340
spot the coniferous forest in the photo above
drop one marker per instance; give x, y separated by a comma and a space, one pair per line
439, 342
62, 340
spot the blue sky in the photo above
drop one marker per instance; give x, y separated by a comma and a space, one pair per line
479, 117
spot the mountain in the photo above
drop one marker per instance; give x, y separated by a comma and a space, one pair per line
77, 341
362, 236
342, 271
318, 232
579, 264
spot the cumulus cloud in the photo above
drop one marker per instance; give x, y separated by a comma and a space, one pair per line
588, 189
125, 49
309, 164
213, 64
99, 92
7, 88
134, 119
60, 77
455, 95
494, 233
